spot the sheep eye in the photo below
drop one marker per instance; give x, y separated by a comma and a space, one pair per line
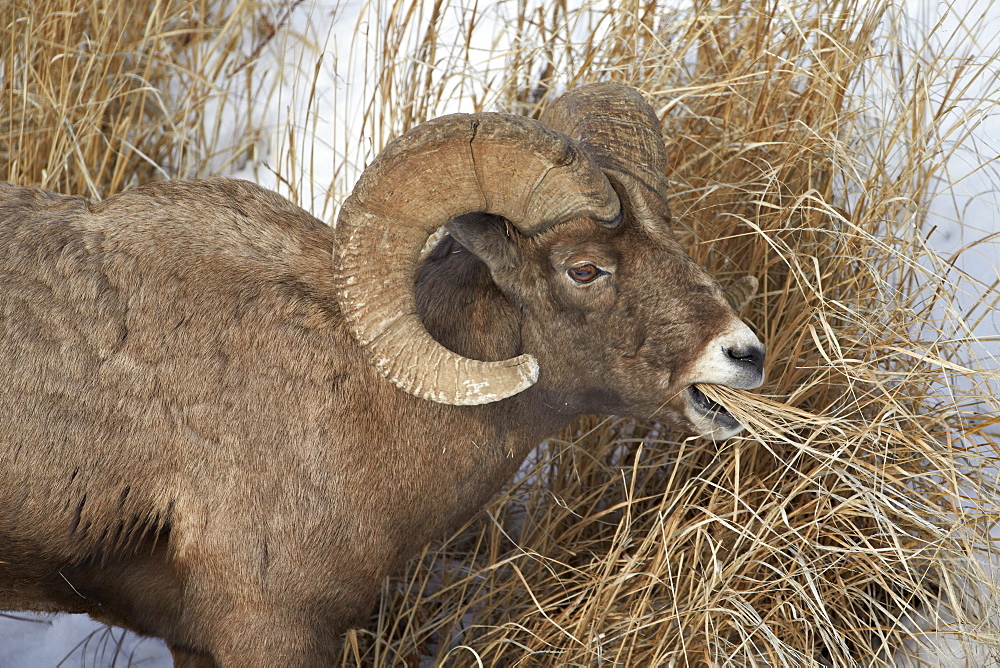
584, 273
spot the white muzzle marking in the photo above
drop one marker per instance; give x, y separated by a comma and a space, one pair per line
734, 358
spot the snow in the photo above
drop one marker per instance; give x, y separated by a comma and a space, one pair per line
329, 148
39, 641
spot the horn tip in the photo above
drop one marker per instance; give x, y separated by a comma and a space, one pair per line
478, 393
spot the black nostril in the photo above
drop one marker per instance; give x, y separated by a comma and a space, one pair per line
752, 355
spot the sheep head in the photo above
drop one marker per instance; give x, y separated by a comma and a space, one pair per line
569, 215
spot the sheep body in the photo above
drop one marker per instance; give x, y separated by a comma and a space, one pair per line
157, 356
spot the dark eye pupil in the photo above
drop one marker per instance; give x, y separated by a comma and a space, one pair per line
584, 273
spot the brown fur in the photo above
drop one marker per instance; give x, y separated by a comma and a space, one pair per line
193, 446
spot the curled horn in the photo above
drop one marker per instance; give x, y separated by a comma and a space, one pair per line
511, 166
618, 128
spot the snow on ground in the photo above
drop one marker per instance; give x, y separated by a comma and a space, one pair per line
74, 640
330, 149
969, 210
963, 214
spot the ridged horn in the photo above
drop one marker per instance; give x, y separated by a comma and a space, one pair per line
507, 165
617, 127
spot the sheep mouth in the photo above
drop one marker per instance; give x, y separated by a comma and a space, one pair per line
709, 409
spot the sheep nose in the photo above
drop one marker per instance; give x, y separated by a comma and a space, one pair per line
750, 355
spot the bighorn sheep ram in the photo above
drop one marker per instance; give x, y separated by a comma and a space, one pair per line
223, 422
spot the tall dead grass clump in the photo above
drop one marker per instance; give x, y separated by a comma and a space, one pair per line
99, 95
807, 142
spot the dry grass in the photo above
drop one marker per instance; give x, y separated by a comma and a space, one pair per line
807, 141
96, 96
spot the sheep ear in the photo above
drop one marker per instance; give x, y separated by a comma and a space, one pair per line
739, 292
489, 238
